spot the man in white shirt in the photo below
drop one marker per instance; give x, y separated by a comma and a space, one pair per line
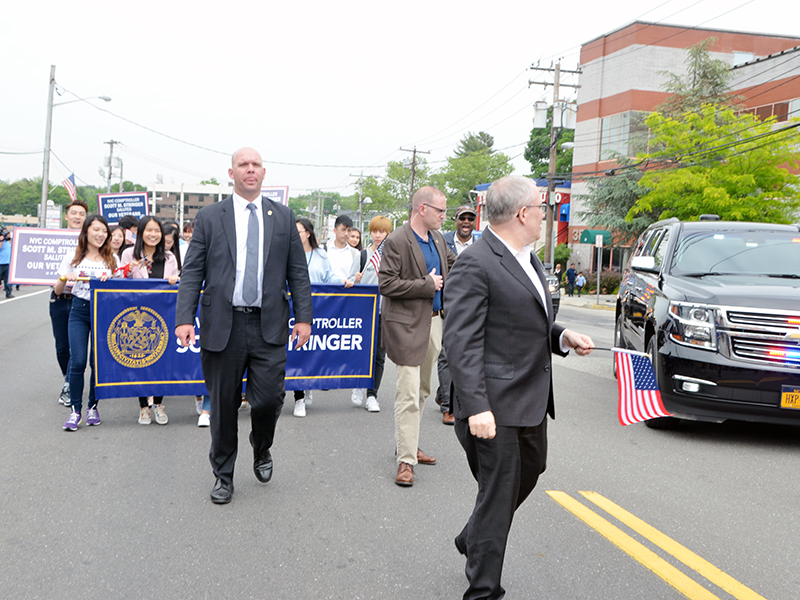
341, 254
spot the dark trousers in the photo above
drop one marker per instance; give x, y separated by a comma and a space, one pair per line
4, 279
59, 319
223, 371
80, 343
445, 382
506, 468
380, 361
143, 401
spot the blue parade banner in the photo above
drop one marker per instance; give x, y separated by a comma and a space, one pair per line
137, 354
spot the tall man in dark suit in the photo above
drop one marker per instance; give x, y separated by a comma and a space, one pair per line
413, 271
499, 335
246, 249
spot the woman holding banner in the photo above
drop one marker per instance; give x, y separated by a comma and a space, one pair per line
93, 259
319, 271
148, 259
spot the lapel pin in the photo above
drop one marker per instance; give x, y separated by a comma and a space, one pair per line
269, 212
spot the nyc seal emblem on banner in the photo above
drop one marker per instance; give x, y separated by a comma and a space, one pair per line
137, 337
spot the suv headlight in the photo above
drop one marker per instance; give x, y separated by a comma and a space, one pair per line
693, 325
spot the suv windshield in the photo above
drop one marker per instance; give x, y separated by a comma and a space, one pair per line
768, 253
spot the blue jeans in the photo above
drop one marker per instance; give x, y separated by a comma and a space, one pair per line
59, 319
80, 331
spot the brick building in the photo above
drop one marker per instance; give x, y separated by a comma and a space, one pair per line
622, 81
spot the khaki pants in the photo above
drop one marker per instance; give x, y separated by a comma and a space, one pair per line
413, 387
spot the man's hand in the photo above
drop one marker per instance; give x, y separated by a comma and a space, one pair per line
482, 425
438, 280
185, 334
348, 283
300, 331
582, 344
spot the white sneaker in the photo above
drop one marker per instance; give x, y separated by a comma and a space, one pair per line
144, 416
198, 402
161, 416
357, 396
309, 398
372, 404
244, 403
300, 408
204, 420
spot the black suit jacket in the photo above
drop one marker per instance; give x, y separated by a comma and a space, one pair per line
212, 258
499, 337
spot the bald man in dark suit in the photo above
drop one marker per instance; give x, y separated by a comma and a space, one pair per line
246, 249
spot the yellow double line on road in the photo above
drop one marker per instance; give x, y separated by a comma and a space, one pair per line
673, 576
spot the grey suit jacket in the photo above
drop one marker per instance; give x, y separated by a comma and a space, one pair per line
499, 337
212, 258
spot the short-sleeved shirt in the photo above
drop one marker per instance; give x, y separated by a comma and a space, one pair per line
432, 261
86, 268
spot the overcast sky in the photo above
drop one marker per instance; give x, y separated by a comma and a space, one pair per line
344, 83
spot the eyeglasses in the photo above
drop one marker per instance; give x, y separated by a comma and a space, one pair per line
439, 211
469, 218
542, 206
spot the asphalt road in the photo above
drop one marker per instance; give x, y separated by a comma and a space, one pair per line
122, 510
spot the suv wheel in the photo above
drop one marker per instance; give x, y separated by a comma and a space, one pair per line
663, 422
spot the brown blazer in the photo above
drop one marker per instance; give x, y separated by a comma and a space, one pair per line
408, 292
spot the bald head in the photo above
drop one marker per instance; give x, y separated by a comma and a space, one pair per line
247, 173
425, 195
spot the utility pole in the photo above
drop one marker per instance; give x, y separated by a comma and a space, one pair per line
551, 172
46, 162
360, 201
414, 153
110, 163
320, 220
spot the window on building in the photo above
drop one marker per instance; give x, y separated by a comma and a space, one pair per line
623, 133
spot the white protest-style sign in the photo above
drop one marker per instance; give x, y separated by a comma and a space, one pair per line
36, 254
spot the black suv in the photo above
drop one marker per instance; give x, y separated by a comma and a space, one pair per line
717, 306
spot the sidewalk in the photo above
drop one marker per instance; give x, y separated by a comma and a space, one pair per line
607, 301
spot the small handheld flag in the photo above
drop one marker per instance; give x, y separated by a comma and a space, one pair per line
375, 259
639, 397
69, 184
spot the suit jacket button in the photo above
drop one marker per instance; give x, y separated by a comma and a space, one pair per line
547, 369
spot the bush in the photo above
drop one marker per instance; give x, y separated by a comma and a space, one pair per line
609, 282
562, 255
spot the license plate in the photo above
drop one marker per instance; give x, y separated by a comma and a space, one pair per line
790, 397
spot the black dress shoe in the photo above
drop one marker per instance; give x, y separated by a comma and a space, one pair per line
262, 463
222, 492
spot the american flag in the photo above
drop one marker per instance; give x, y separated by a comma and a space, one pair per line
69, 183
375, 259
639, 398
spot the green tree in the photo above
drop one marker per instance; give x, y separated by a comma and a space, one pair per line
391, 194
714, 161
610, 199
462, 174
537, 152
212, 181
475, 143
706, 82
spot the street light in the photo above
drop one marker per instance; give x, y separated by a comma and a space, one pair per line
48, 129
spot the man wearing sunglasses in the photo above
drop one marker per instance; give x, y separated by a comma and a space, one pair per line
457, 240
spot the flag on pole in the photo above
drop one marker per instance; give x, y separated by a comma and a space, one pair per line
375, 259
639, 397
69, 183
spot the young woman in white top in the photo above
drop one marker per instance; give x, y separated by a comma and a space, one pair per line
93, 259
148, 259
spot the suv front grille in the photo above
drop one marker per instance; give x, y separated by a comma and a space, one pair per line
765, 337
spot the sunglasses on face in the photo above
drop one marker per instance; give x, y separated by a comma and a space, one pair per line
469, 218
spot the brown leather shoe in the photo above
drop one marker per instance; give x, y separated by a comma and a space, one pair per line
405, 475
425, 459
448, 418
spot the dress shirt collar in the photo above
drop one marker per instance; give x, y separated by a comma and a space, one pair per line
241, 204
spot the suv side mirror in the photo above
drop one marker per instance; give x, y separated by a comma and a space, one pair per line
643, 263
